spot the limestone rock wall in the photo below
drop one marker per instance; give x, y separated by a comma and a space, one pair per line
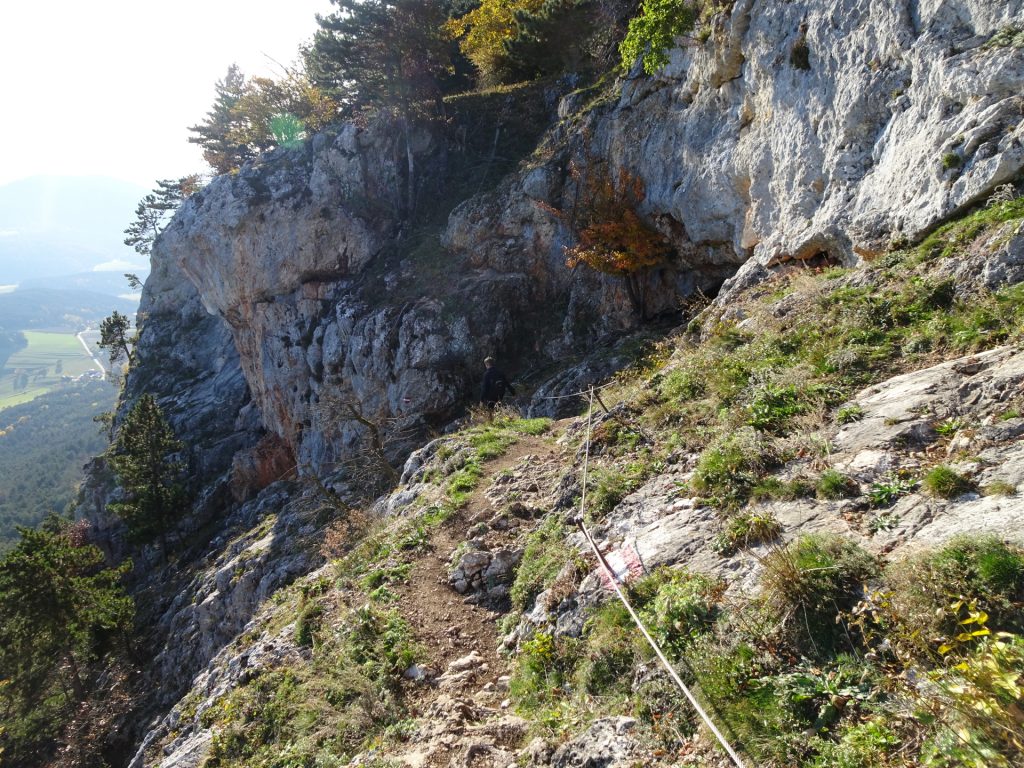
187, 359
802, 130
899, 115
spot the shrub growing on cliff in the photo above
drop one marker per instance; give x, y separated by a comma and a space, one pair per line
153, 213
115, 335
653, 33
951, 160
241, 123
810, 582
612, 238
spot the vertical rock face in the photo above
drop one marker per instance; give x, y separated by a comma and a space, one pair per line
335, 312
826, 127
187, 359
800, 130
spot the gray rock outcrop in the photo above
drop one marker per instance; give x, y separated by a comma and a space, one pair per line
894, 117
608, 743
291, 301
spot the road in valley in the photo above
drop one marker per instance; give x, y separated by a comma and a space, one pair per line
88, 349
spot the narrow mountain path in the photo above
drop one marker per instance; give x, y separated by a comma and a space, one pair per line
460, 704
442, 621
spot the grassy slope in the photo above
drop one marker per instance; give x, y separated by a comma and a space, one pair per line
805, 673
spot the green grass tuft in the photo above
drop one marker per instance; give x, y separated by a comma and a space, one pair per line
945, 483
810, 582
834, 485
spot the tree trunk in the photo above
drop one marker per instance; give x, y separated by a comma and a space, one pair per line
411, 169
77, 688
636, 283
377, 447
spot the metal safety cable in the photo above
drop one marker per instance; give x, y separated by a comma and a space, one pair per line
636, 619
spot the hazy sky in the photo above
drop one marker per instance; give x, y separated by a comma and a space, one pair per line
110, 87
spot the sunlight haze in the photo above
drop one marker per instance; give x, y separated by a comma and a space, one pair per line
110, 88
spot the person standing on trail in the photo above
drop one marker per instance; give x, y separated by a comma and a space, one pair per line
495, 385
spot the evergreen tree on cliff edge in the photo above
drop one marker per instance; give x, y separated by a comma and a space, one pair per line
387, 55
143, 460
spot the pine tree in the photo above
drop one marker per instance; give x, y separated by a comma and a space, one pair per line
143, 461
241, 124
381, 53
143, 231
115, 335
217, 135
551, 40
57, 601
391, 56
156, 208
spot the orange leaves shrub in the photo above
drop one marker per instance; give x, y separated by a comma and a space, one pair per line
611, 236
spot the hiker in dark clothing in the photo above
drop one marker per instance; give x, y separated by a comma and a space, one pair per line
495, 385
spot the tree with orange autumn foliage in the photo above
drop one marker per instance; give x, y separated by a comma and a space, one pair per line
611, 237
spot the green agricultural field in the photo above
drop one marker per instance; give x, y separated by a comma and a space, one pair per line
40, 366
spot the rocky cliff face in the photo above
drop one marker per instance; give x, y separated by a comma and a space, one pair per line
797, 131
824, 128
295, 296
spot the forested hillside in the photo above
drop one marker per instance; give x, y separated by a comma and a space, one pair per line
10, 342
58, 309
44, 446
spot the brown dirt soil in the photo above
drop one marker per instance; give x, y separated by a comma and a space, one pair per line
443, 624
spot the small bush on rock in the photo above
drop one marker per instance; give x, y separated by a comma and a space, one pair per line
810, 582
946, 483
728, 469
984, 570
745, 530
999, 488
833, 485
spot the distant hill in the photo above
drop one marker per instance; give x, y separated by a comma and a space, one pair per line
57, 225
112, 283
58, 309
